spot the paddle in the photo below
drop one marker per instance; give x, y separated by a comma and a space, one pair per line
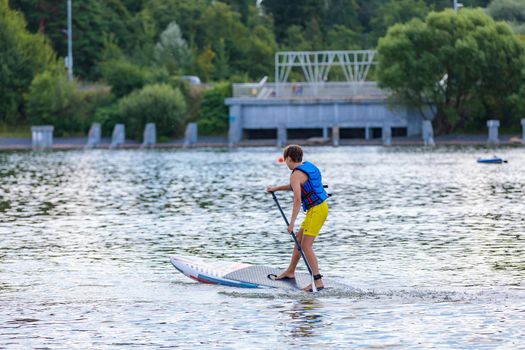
314, 288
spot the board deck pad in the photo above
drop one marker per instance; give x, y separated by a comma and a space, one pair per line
259, 275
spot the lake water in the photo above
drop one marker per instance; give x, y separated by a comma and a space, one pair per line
431, 243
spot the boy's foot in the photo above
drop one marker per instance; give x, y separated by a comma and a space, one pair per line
286, 276
318, 284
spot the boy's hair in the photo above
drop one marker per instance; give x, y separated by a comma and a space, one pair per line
295, 152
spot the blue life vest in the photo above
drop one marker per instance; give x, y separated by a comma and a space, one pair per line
312, 192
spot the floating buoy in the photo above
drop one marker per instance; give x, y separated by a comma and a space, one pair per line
280, 160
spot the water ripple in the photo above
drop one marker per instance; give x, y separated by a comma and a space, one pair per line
430, 242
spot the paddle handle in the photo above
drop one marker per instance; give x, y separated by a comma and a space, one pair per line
298, 245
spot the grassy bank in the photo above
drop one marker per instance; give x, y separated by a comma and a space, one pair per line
15, 130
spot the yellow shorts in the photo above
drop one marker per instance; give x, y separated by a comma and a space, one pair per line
314, 220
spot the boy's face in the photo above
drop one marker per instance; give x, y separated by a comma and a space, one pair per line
289, 162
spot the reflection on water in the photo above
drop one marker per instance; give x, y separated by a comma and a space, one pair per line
306, 318
431, 242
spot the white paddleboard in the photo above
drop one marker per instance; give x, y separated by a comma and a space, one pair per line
239, 274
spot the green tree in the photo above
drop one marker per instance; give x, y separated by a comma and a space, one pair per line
464, 64
159, 104
172, 51
343, 13
295, 39
133, 6
512, 11
221, 28
241, 6
342, 38
396, 11
52, 100
204, 63
123, 76
92, 20
213, 112
185, 12
259, 55
367, 9
294, 12
212, 30
22, 56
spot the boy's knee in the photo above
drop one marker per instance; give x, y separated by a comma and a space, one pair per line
306, 247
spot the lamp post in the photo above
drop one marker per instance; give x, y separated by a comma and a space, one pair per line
69, 61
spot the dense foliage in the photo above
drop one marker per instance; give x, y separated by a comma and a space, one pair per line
222, 37
22, 56
133, 44
159, 104
214, 113
462, 67
54, 100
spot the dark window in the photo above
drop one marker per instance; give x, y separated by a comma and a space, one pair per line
260, 134
352, 133
399, 132
377, 133
294, 134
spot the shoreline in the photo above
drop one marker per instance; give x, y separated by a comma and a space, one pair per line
24, 144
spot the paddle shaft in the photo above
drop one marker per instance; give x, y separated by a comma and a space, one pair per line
293, 235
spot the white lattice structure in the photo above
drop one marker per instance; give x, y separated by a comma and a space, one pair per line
316, 65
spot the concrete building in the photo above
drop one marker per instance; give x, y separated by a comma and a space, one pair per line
357, 108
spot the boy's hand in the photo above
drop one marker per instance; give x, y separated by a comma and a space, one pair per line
290, 228
270, 189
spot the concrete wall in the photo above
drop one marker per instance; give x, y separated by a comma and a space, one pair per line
253, 113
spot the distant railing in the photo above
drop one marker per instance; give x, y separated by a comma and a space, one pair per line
309, 90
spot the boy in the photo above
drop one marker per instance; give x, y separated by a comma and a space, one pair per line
307, 186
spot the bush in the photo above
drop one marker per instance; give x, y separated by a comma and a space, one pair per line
108, 116
213, 112
155, 75
89, 101
52, 100
159, 104
123, 76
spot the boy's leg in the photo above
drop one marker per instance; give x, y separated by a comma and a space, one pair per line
307, 244
296, 256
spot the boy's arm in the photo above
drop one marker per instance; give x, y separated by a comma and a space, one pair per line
295, 181
278, 188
